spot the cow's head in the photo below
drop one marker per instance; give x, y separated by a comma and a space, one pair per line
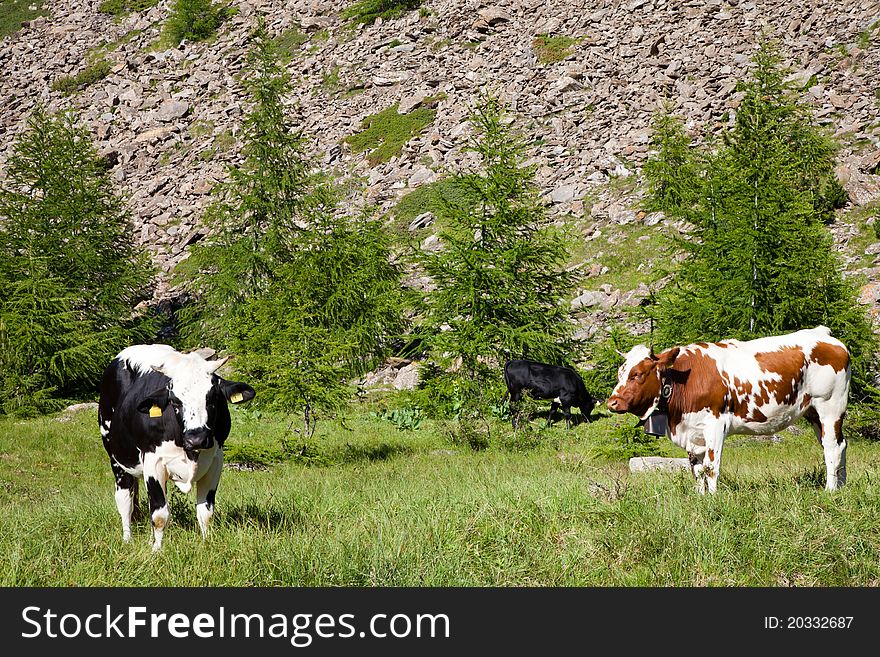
639, 381
195, 392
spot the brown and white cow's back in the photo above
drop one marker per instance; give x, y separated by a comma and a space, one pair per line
742, 387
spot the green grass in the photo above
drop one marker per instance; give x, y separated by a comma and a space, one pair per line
407, 508
125, 7
13, 12
104, 49
634, 253
290, 40
330, 80
367, 11
427, 198
865, 236
552, 49
384, 134
92, 73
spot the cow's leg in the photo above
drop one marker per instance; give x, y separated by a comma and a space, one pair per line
126, 497
514, 408
714, 435
554, 406
813, 418
696, 461
566, 411
206, 492
155, 477
829, 418
834, 446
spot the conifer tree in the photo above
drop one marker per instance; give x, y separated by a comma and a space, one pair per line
70, 276
760, 260
499, 276
258, 213
305, 296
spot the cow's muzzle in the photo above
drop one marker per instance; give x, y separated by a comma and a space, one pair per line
198, 439
616, 405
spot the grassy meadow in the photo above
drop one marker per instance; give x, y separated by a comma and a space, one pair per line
384, 507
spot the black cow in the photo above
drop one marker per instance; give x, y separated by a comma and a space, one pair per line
561, 384
163, 415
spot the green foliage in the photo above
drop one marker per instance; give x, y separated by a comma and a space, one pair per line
93, 72
673, 173
500, 276
254, 217
405, 419
385, 133
306, 299
194, 20
862, 419
627, 441
291, 39
69, 274
14, 12
252, 454
605, 356
468, 432
124, 7
330, 80
759, 262
553, 48
367, 11
430, 198
526, 438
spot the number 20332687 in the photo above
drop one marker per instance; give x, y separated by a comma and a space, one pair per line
808, 622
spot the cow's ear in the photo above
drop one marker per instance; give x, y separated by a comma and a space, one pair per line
667, 358
235, 392
154, 404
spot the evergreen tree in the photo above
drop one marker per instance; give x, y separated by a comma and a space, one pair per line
499, 276
304, 296
760, 261
69, 273
258, 213
332, 313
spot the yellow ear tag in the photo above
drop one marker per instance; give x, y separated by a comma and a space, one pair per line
236, 397
155, 411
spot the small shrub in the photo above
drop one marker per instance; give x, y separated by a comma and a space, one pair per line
467, 432
303, 452
250, 454
195, 20
125, 7
367, 11
70, 84
627, 441
525, 439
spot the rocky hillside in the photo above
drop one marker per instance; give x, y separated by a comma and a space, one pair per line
583, 77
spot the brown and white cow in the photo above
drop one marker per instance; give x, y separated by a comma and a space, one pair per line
711, 390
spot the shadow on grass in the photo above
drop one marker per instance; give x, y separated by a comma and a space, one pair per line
251, 514
369, 453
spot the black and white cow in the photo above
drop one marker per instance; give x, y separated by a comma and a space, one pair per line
163, 415
561, 384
